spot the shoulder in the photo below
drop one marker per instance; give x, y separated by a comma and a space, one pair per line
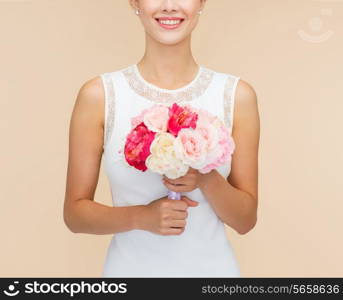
245, 94
92, 90
245, 106
90, 99
244, 100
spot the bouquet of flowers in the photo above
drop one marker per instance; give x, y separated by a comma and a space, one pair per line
170, 139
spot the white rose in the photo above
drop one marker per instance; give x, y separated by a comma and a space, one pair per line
163, 159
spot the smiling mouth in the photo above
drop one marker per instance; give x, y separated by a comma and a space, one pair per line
169, 23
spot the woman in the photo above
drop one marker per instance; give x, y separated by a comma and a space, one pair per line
154, 236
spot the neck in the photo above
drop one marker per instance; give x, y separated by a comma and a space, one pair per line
168, 65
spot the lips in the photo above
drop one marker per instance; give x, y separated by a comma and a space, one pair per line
169, 22
169, 18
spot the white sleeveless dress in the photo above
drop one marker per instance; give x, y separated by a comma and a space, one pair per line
203, 249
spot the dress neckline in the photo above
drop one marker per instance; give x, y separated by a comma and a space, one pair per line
151, 92
153, 86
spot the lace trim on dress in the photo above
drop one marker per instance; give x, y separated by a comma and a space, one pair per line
229, 98
110, 99
187, 93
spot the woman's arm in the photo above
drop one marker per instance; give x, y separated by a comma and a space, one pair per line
81, 213
235, 199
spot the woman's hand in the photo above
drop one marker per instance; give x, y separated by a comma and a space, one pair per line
165, 216
187, 183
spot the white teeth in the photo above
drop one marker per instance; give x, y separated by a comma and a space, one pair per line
170, 22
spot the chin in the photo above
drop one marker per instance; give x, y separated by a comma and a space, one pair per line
169, 41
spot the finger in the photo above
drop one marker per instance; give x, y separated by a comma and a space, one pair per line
171, 231
167, 180
178, 223
182, 189
189, 202
181, 181
179, 205
189, 186
179, 215
177, 188
192, 203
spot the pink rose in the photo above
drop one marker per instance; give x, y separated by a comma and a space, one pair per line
204, 117
209, 133
137, 146
181, 117
190, 147
139, 118
223, 152
156, 118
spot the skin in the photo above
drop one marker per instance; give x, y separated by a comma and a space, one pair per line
167, 63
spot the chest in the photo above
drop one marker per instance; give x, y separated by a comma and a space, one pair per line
128, 95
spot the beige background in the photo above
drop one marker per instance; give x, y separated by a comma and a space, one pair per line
49, 48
